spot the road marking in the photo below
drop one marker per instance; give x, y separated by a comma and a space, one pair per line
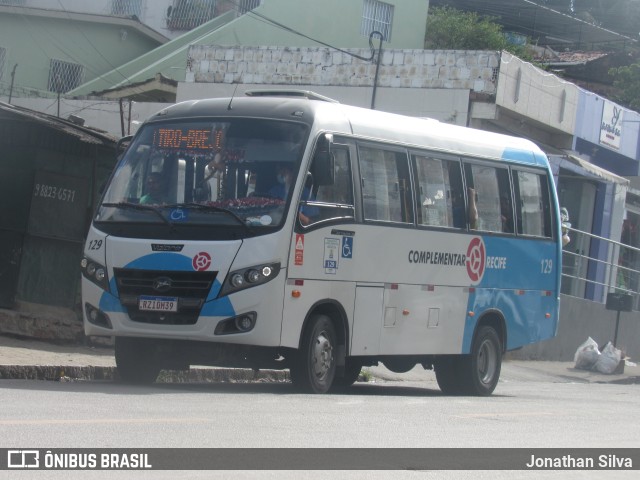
53, 421
514, 414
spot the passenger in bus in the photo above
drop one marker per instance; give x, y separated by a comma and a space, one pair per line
155, 194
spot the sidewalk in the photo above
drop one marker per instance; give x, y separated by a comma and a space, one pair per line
32, 359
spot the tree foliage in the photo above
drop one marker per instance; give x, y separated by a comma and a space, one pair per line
627, 82
452, 29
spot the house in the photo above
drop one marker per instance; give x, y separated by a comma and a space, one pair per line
46, 53
171, 18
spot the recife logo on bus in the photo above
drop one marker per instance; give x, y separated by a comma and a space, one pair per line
476, 255
201, 261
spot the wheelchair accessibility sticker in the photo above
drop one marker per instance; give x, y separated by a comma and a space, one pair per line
347, 247
331, 255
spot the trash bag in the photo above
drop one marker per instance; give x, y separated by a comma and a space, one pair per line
609, 359
587, 355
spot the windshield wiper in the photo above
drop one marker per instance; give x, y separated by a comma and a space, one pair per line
137, 206
209, 208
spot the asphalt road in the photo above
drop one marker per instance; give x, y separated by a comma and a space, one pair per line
528, 410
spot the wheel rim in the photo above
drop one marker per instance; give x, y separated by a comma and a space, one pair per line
322, 356
487, 362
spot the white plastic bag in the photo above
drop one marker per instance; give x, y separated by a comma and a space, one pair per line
608, 360
587, 355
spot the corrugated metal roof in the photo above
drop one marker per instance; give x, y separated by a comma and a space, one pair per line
84, 134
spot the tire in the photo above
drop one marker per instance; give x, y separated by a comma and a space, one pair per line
399, 364
314, 366
352, 370
484, 364
136, 360
447, 370
474, 374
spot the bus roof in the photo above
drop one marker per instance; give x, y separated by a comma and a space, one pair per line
364, 123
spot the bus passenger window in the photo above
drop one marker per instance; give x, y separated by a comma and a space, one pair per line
489, 194
440, 193
386, 188
533, 212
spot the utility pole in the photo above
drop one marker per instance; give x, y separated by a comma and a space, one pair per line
375, 80
13, 76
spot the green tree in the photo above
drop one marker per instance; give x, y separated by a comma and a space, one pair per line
627, 84
452, 29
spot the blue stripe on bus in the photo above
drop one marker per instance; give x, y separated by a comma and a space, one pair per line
523, 156
523, 278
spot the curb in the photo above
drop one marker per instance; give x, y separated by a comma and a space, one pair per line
60, 373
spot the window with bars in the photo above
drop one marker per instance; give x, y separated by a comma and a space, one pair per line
64, 76
3, 55
126, 8
188, 14
377, 16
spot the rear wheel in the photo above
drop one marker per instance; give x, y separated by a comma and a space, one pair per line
136, 360
448, 375
474, 374
485, 362
314, 366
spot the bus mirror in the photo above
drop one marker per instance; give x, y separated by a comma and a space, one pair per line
322, 167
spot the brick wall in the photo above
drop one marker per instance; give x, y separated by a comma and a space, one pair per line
470, 70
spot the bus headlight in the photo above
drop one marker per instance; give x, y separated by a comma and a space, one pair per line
249, 277
95, 273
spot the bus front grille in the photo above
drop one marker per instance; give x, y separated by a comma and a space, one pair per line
190, 289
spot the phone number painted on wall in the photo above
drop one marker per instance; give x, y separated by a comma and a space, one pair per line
55, 193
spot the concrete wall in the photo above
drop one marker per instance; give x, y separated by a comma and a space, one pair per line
579, 320
468, 70
537, 95
422, 83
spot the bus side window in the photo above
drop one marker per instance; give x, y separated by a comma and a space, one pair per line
533, 212
440, 194
341, 191
386, 188
328, 201
489, 194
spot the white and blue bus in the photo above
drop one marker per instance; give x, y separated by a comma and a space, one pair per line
283, 230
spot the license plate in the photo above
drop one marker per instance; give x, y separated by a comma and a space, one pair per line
158, 304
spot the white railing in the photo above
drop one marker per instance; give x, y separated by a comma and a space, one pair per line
613, 269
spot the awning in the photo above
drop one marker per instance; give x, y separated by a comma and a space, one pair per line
573, 162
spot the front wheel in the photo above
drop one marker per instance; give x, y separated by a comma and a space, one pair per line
352, 370
314, 366
136, 360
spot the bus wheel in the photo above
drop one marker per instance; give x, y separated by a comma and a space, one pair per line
483, 366
474, 374
136, 360
448, 375
399, 364
315, 366
352, 370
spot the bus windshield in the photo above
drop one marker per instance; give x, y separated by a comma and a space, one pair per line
211, 173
